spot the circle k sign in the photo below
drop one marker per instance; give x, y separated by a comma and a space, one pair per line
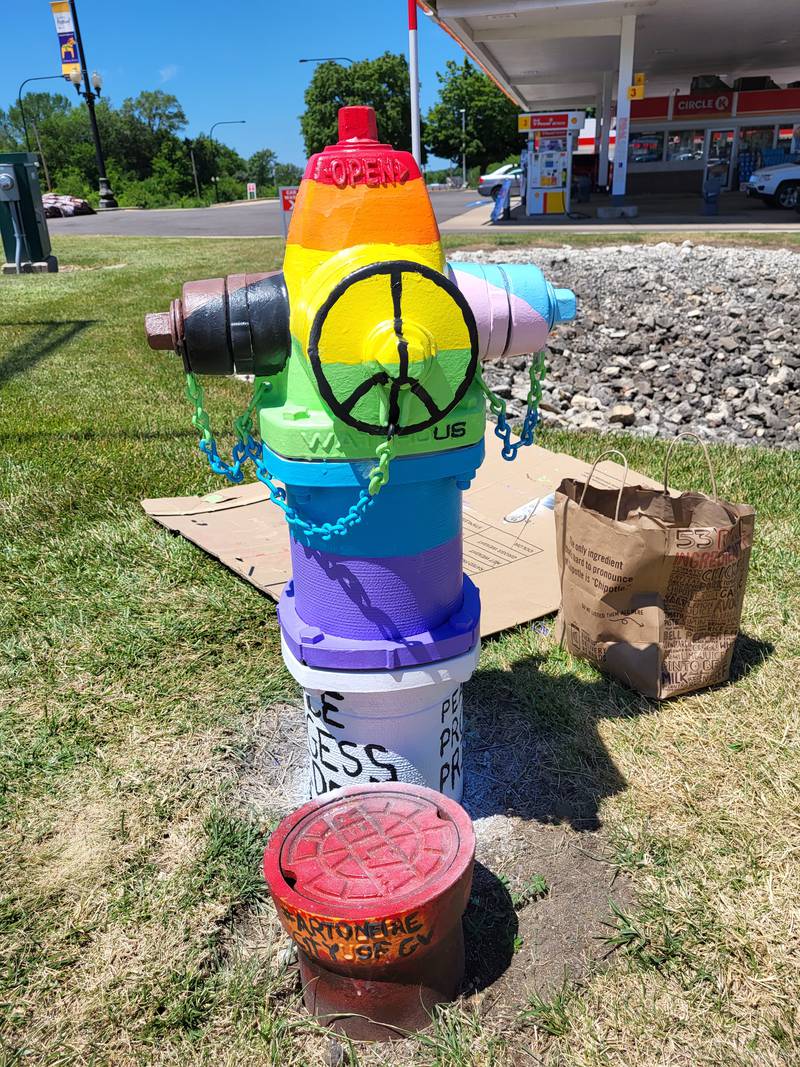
703, 104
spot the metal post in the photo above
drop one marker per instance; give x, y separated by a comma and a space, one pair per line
464, 146
107, 199
603, 131
41, 153
194, 172
413, 76
627, 42
44, 78
224, 122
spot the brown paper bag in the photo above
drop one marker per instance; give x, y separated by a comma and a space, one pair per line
652, 584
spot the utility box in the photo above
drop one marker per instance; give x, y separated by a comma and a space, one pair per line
26, 241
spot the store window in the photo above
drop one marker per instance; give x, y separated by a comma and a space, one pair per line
789, 140
755, 138
646, 147
683, 146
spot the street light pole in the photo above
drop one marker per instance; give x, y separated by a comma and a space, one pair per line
463, 111
44, 78
413, 77
106, 194
225, 122
328, 59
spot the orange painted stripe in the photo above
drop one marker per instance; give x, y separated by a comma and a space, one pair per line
329, 219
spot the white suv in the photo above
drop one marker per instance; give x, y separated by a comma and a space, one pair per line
777, 186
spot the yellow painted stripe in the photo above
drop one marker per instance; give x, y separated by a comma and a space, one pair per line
311, 274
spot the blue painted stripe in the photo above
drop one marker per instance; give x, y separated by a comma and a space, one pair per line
418, 510
404, 519
455, 462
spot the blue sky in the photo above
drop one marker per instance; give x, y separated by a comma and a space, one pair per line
227, 59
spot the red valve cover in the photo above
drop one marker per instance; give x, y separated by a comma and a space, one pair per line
372, 876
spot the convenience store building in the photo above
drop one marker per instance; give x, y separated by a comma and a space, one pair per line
551, 55
673, 138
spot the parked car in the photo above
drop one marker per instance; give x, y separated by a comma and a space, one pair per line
777, 186
61, 207
491, 184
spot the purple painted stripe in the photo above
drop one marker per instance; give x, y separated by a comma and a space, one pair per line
380, 599
455, 636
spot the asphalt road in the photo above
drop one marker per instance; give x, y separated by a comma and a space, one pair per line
261, 218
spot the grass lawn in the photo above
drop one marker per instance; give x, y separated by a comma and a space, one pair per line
133, 673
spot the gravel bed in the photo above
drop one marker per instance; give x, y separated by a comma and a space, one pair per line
668, 337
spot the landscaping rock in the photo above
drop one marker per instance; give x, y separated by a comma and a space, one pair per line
669, 337
623, 414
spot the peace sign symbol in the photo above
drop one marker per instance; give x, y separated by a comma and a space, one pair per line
394, 345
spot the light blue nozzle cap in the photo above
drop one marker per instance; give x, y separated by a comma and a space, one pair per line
566, 306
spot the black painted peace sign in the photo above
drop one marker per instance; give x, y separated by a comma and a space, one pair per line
346, 381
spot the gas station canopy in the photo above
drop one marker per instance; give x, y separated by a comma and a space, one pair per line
549, 54
685, 84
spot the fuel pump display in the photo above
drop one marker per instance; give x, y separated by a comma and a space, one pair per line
552, 139
366, 424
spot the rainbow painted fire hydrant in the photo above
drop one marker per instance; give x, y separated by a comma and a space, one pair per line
370, 410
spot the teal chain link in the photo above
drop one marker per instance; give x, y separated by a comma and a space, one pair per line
497, 405
247, 447
243, 449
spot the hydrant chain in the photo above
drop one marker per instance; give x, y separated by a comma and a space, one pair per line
248, 447
498, 408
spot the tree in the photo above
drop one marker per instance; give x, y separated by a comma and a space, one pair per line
491, 118
287, 174
160, 112
261, 167
381, 83
148, 163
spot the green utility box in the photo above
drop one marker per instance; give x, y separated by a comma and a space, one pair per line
26, 241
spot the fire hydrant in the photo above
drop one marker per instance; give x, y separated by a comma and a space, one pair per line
370, 408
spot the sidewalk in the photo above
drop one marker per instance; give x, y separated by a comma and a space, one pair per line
738, 214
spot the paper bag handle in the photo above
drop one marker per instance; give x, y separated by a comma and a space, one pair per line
608, 452
701, 442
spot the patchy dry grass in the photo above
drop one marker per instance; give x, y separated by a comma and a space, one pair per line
136, 674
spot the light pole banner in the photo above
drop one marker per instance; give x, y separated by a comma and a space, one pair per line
67, 43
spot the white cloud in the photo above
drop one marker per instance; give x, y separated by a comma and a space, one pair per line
168, 73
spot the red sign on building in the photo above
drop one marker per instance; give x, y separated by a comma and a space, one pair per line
693, 105
545, 123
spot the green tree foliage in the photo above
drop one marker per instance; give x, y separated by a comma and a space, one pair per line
491, 118
287, 174
148, 162
261, 168
160, 112
381, 83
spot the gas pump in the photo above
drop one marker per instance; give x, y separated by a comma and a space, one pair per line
552, 139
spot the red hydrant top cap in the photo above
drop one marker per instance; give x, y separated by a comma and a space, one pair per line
357, 123
371, 846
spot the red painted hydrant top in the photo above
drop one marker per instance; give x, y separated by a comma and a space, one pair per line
371, 874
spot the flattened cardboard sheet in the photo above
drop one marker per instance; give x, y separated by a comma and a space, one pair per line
513, 563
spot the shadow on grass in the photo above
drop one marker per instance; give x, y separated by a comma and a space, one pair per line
748, 654
532, 746
490, 930
50, 335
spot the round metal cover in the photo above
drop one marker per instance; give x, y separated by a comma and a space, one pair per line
376, 845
